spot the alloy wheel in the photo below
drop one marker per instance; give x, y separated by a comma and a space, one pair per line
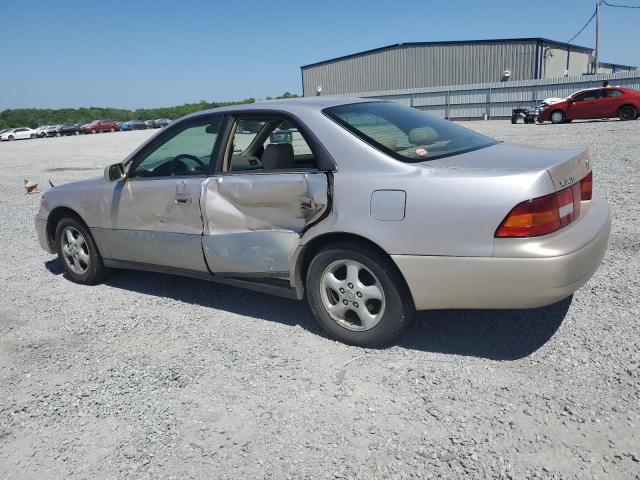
557, 117
75, 251
352, 295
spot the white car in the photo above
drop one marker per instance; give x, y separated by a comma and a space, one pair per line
17, 134
41, 131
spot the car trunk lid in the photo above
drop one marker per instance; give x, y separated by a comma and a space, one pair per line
565, 166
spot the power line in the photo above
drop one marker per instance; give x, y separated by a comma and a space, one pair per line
619, 6
583, 27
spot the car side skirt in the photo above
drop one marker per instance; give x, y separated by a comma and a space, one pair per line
267, 285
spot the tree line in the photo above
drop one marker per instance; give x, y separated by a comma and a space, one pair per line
34, 117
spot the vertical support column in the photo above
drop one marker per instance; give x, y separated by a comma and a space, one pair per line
488, 109
446, 110
597, 52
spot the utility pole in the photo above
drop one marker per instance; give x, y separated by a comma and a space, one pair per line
597, 55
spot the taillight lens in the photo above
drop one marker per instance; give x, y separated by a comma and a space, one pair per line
542, 215
586, 186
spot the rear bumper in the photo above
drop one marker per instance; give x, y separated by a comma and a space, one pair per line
537, 272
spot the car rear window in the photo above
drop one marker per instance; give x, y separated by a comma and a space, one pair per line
405, 133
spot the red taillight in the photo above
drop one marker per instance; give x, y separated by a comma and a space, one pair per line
542, 215
586, 186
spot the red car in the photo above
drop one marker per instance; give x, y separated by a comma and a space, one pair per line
604, 102
98, 126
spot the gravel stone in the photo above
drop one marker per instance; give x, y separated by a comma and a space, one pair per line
156, 376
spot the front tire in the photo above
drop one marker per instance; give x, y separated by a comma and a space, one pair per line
78, 252
627, 112
357, 295
514, 120
558, 117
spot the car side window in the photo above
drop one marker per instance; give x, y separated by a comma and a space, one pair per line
268, 144
186, 152
614, 93
590, 95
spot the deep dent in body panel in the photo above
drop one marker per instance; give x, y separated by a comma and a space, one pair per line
252, 222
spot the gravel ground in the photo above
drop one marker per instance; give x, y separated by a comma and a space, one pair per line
155, 376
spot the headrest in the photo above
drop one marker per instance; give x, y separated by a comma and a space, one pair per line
423, 136
277, 156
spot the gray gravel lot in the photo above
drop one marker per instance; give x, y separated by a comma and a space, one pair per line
155, 376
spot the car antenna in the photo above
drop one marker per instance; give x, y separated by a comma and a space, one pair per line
51, 183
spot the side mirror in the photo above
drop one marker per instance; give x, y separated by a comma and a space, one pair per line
114, 172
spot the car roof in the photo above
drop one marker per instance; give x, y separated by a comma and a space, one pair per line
624, 89
289, 105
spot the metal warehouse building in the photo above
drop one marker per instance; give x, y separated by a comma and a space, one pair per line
431, 64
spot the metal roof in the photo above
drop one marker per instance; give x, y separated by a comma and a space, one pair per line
450, 42
607, 64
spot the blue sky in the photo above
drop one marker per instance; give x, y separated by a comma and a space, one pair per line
161, 53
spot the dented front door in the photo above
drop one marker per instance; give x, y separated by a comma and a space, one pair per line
157, 221
253, 221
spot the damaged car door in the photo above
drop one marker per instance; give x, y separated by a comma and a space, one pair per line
267, 193
155, 213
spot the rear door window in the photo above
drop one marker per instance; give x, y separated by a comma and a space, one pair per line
253, 137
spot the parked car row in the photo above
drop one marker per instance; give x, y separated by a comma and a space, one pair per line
97, 126
140, 125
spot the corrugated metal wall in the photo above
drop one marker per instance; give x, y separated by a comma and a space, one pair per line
496, 99
415, 66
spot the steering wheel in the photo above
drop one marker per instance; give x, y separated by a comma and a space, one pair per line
177, 158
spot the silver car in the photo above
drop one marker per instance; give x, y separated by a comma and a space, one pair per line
369, 209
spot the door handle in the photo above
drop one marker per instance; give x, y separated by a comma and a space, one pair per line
306, 203
183, 199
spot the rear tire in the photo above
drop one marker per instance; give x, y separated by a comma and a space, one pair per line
627, 112
558, 117
357, 295
78, 252
514, 120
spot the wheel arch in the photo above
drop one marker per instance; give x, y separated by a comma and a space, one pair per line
632, 105
54, 218
306, 252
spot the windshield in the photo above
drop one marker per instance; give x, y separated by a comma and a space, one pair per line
407, 134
